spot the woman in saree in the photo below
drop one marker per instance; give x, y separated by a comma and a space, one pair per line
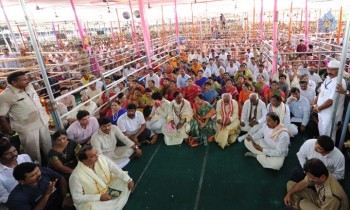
62, 155
123, 100
191, 91
171, 90
115, 112
136, 98
227, 121
273, 90
239, 83
179, 115
152, 86
243, 71
201, 125
261, 86
230, 88
244, 95
200, 79
209, 94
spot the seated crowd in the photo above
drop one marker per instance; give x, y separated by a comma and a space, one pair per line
191, 99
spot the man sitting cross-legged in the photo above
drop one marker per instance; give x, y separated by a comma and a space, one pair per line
97, 183
318, 190
133, 125
227, 121
39, 188
253, 115
105, 142
270, 144
9, 159
158, 116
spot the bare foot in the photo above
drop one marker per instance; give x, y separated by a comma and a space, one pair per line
154, 139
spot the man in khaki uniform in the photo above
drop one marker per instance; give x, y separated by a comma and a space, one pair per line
327, 193
27, 116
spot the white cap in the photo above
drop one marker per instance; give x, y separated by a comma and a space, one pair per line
334, 64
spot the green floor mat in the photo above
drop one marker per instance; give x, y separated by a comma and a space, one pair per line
169, 177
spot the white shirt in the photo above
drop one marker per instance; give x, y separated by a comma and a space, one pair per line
131, 126
155, 78
273, 148
334, 161
90, 108
223, 56
260, 113
203, 59
231, 70
315, 78
253, 68
7, 181
192, 56
129, 71
264, 74
207, 72
309, 94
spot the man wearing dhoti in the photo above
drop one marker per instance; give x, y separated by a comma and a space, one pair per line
253, 115
97, 183
270, 144
227, 121
105, 142
179, 115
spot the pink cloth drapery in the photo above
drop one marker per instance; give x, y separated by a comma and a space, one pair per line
112, 32
134, 33
120, 29
306, 23
261, 21
145, 30
274, 35
56, 35
176, 26
80, 29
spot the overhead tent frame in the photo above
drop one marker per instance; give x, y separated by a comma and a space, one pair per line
54, 113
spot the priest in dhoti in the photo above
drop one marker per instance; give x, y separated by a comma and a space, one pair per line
105, 142
158, 116
227, 121
282, 110
270, 144
97, 183
253, 115
179, 116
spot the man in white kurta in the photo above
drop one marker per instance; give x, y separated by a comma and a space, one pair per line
270, 144
324, 102
93, 180
253, 115
283, 112
158, 116
179, 115
323, 148
105, 142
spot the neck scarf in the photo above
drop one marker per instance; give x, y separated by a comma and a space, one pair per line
277, 130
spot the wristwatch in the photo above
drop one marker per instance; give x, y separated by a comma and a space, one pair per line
67, 195
136, 147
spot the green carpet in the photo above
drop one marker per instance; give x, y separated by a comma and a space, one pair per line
181, 178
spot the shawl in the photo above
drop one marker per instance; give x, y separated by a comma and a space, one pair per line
277, 130
280, 110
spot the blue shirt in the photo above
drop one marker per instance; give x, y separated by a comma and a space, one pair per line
182, 81
26, 197
300, 109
